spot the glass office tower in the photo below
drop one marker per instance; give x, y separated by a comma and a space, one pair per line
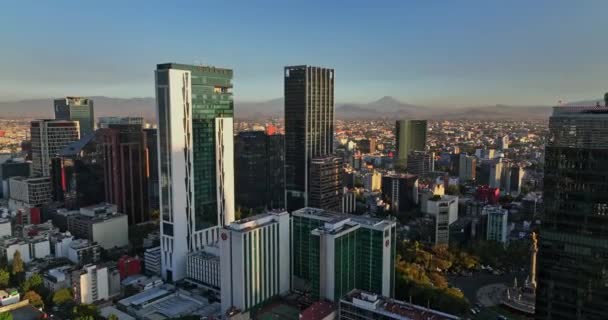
410, 136
76, 109
309, 127
573, 240
195, 134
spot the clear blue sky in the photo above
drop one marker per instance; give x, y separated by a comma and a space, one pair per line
425, 52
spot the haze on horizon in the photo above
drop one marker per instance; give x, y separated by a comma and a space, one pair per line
422, 52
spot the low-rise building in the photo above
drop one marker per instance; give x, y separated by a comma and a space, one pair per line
152, 261
83, 251
102, 224
203, 268
359, 304
9, 296
58, 278
95, 283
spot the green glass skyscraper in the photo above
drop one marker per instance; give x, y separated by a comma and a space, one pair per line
76, 109
195, 132
410, 135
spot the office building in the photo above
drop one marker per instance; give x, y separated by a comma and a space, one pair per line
367, 145
77, 109
152, 261
349, 201
105, 122
497, 229
421, 163
29, 192
12, 168
195, 114
410, 136
259, 170
309, 127
325, 183
503, 142
573, 255
372, 181
83, 251
126, 170
102, 224
334, 253
444, 209
77, 173
467, 166
94, 283
48, 138
489, 173
203, 268
359, 304
400, 191
152, 156
255, 260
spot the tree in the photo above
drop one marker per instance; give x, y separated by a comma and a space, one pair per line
33, 283
62, 296
17, 263
85, 312
112, 317
452, 190
34, 298
6, 316
5, 277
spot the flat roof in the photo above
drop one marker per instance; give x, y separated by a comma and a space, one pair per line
318, 310
393, 308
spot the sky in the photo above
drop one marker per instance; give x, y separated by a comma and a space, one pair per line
448, 53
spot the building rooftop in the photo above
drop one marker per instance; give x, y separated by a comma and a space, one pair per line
393, 308
74, 148
256, 221
562, 110
318, 310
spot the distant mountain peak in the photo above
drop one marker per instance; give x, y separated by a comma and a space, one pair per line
388, 100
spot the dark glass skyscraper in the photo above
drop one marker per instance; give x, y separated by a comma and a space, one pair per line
126, 170
77, 173
410, 135
152, 156
259, 165
76, 109
309, 126
573, 240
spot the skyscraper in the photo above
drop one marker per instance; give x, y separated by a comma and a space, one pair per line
309, 126
410, 136
76, 109
126, 170
400, 191
573, 239
48, 138
421, 163
152, 156
259, 170
325, 183
77, 173
195, 133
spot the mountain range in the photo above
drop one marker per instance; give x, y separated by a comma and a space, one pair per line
383, 108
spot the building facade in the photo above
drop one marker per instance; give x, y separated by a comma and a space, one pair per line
309, 127
325, 183
126, 170
259, 170
195, 116
77, 173
573, 238
410, 136
49, 137
334, 253
78, 109
421, 163
400, 191
497, 229
255, 260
